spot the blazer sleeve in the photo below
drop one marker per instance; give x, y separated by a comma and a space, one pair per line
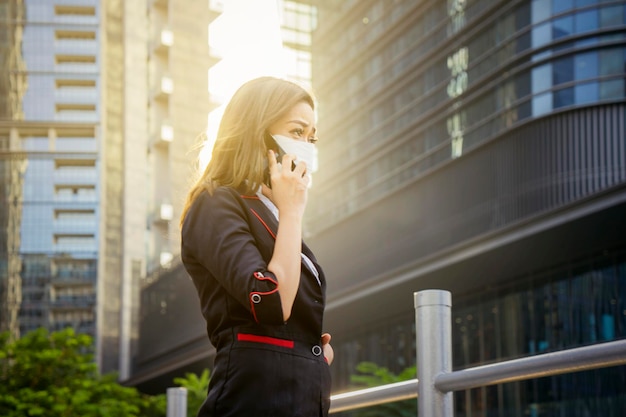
216, 234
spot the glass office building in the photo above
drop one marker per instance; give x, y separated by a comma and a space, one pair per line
463, 73
478, 147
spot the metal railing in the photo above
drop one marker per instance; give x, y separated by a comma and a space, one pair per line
434, 366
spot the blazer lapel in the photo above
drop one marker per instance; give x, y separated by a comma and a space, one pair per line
262, 214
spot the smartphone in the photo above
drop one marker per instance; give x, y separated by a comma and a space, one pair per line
270, 143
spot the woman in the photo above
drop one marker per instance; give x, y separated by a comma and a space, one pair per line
261, 290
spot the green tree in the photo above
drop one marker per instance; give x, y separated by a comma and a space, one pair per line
371, 375
54, 375
197, 388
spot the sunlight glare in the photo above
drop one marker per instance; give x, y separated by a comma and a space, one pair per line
247, 38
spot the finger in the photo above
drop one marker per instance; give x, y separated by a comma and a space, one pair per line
329, 353
288, 160
326, 338
300, 168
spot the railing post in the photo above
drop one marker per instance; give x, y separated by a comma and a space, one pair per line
177, 402
433, 334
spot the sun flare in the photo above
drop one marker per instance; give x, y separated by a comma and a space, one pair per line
246, 38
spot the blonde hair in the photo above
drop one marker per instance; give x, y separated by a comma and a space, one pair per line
240, 155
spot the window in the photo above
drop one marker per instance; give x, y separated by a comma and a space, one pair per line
75, 192
68, 83
74, 34
562, 27
73, 163
74, 242
60, 107
75, 59
75, 216
74, 10
586, 21
69, 268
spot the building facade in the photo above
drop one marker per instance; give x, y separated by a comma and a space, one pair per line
101, 103
477, 147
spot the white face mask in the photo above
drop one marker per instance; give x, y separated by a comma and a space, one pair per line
304, 151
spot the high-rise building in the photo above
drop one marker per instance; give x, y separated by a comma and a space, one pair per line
476, 146
101, 104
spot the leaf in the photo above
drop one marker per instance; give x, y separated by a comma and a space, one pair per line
370, 374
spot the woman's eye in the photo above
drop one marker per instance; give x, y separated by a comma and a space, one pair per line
297, 132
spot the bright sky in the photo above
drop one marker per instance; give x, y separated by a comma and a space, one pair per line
247, 37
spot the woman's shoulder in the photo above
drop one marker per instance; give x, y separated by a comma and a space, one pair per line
211, 205
220, 197
215, 196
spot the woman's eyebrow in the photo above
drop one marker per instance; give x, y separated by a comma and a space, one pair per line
303, 124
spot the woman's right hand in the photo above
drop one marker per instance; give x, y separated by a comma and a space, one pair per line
289, 188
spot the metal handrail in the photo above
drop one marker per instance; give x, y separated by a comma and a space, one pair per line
368, 397
434, 366
601, 355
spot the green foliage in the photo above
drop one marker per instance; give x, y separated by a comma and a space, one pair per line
196, 390
54, 375
371, 375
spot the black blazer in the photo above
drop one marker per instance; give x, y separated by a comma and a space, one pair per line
263, 365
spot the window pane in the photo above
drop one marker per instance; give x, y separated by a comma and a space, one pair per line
586, 93
542, 104
563, 70
561, 5
586, 21
564, 97
541, 78
586, 65
611, 62
562, 27
611, 89
540, 10
611, 16
541, 35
